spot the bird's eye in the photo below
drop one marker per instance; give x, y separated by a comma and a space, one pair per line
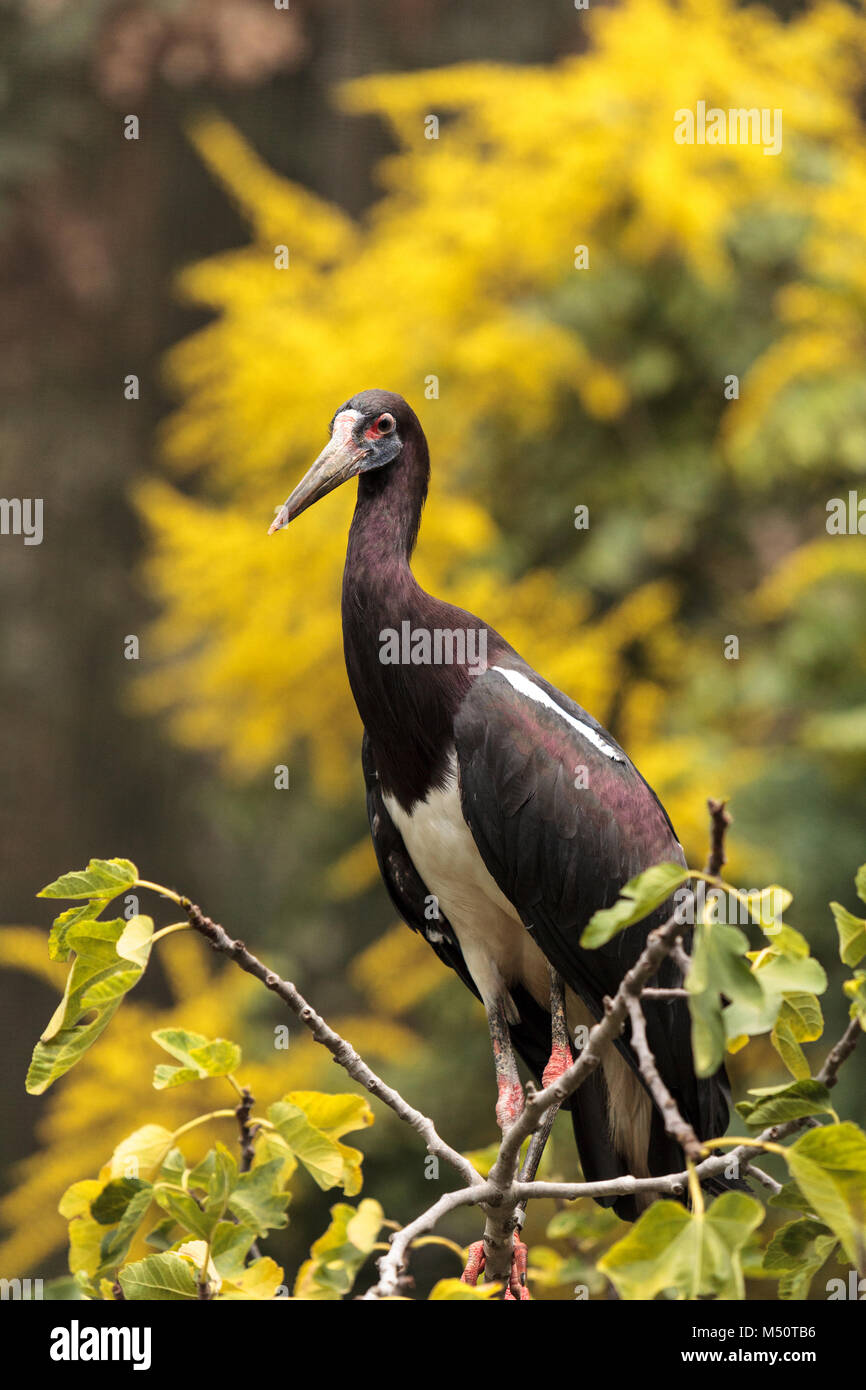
385, 424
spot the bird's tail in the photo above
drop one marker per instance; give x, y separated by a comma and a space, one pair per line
601, 1161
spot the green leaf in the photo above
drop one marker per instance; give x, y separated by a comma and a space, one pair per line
780, 974
103, 1217
777, 975
260, 1280
173, 1166
143, 1153
216, 1178
860, 883
719, 967
65, 1289
161, 1235
455, 1291
186, 1213
159, 1278
855, 988
135, 940
115, 1197
693, 1253
336, 1256
97, 980
201, 1057
799, 1020
230, 1246
116, 1243
57, 947
829, 1166
766, 907
270, 1145
640, 896
320, 1155
329, 1162
582, 1221
85, 1233
165, 1078
548, 1269
795, 1100
791, 1197
256, 1201
852, 934
334, 1116
103, 878
796, 1253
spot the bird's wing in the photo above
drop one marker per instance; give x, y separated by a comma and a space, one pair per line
562, 820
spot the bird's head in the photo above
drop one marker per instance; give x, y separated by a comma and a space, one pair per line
367, 433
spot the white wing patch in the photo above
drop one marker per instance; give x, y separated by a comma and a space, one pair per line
534, 692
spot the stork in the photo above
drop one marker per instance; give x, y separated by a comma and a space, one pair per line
475, 808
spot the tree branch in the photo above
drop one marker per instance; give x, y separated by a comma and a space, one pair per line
247, 1131
501, 1193
829, 1073
501, 1218
343, 1053
393, 1264
719, 822
678, 1128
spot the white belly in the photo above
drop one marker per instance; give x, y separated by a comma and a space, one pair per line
498, 950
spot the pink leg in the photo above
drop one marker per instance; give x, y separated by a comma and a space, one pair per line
509, 1103
560, 1061
560, 1043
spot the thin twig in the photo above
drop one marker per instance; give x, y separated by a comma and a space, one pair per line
680, 955
248, 1132
762, 1177
392, 1265
501, 1193
343, 1053
719, 821
677, 1127
501, 1219
829, 1073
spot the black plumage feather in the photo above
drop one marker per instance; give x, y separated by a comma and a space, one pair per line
531, 1036
558, 851
566, 851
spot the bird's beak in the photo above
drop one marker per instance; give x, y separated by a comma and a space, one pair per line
341, 458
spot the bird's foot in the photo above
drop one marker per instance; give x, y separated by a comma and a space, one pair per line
517, 1292
474, 1263
510, 1103
560, 1061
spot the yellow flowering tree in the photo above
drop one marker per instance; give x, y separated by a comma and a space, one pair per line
545, 378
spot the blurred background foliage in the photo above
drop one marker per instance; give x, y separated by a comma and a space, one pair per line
558, 387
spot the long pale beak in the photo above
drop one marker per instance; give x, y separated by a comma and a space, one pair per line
340, 460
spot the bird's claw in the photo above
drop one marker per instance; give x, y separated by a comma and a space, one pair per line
517, 1291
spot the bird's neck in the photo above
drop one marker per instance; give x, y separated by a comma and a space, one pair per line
407, 708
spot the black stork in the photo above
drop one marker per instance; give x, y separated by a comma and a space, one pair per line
474, 807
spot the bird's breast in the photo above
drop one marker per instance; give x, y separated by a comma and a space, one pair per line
498, 950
